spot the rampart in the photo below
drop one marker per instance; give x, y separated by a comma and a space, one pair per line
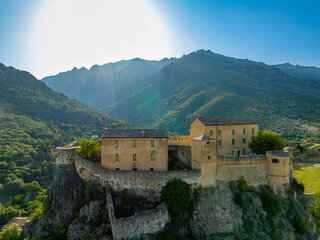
143, 222
144, 183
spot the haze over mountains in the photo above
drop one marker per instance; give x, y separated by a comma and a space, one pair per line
170, 93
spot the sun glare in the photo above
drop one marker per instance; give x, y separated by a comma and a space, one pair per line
70, 33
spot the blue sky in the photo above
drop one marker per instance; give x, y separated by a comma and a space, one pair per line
268, 31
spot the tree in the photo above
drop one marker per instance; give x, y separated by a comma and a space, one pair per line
177, 194
89, 149
266, 141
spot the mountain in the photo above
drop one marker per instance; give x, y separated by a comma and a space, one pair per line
33, 120
107, 84
203, 83
312, 73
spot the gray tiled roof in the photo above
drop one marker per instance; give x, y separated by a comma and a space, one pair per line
204, 137
279, 153
226, 121
135, 133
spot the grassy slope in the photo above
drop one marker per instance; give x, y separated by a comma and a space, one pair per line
309, 175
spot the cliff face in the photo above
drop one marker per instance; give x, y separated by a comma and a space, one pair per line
77, 209
226, 212
71, 210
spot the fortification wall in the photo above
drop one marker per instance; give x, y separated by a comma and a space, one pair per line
144, 222
242, 160
255, 174
144, 183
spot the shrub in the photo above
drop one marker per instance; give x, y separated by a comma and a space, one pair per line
92, 190
177, 194
36, 215
318, 149
315, 209
243, 184
11, 232
311, 139
89, 149
297, 186
299, 224
270, 202
266, 141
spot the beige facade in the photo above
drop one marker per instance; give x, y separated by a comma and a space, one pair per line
203, 150
146, 154
279, 164
232, 139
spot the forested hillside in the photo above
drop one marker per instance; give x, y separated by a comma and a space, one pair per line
203, 83
33, 120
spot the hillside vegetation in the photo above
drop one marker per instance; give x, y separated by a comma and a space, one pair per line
203, 83
33, 120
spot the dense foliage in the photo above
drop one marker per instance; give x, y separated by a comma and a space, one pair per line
266, 141
177, 194
11, 232
296, 186
315, 208
89, 149
33, 120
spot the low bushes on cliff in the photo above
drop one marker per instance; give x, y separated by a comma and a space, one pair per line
177, 194
315, 208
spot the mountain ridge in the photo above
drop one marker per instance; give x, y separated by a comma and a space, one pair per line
206, 83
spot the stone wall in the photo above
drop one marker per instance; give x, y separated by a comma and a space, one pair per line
144, 183
144, 222
255, 174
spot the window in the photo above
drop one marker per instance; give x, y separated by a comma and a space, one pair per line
275, 160
232, 152
220, 143
152, 157
134, 157
152, 143
116, 157
209, 157
211, 133
244, 141
208, 143
252, 130
219, 132
151, 169
244, 151
117, 169
232, 141
116, 143
134, 143
244, 131
232, 131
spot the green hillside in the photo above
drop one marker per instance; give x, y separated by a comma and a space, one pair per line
33, 120
207, 84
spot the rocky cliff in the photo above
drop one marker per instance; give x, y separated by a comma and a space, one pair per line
77, 209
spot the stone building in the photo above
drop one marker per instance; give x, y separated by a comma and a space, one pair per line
135, 149
232, 134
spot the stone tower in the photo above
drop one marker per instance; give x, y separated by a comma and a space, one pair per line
204, 157
278, 169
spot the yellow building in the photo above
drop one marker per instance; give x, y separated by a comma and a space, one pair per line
232, 134
135, 149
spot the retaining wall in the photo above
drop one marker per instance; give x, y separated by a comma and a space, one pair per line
144, 222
